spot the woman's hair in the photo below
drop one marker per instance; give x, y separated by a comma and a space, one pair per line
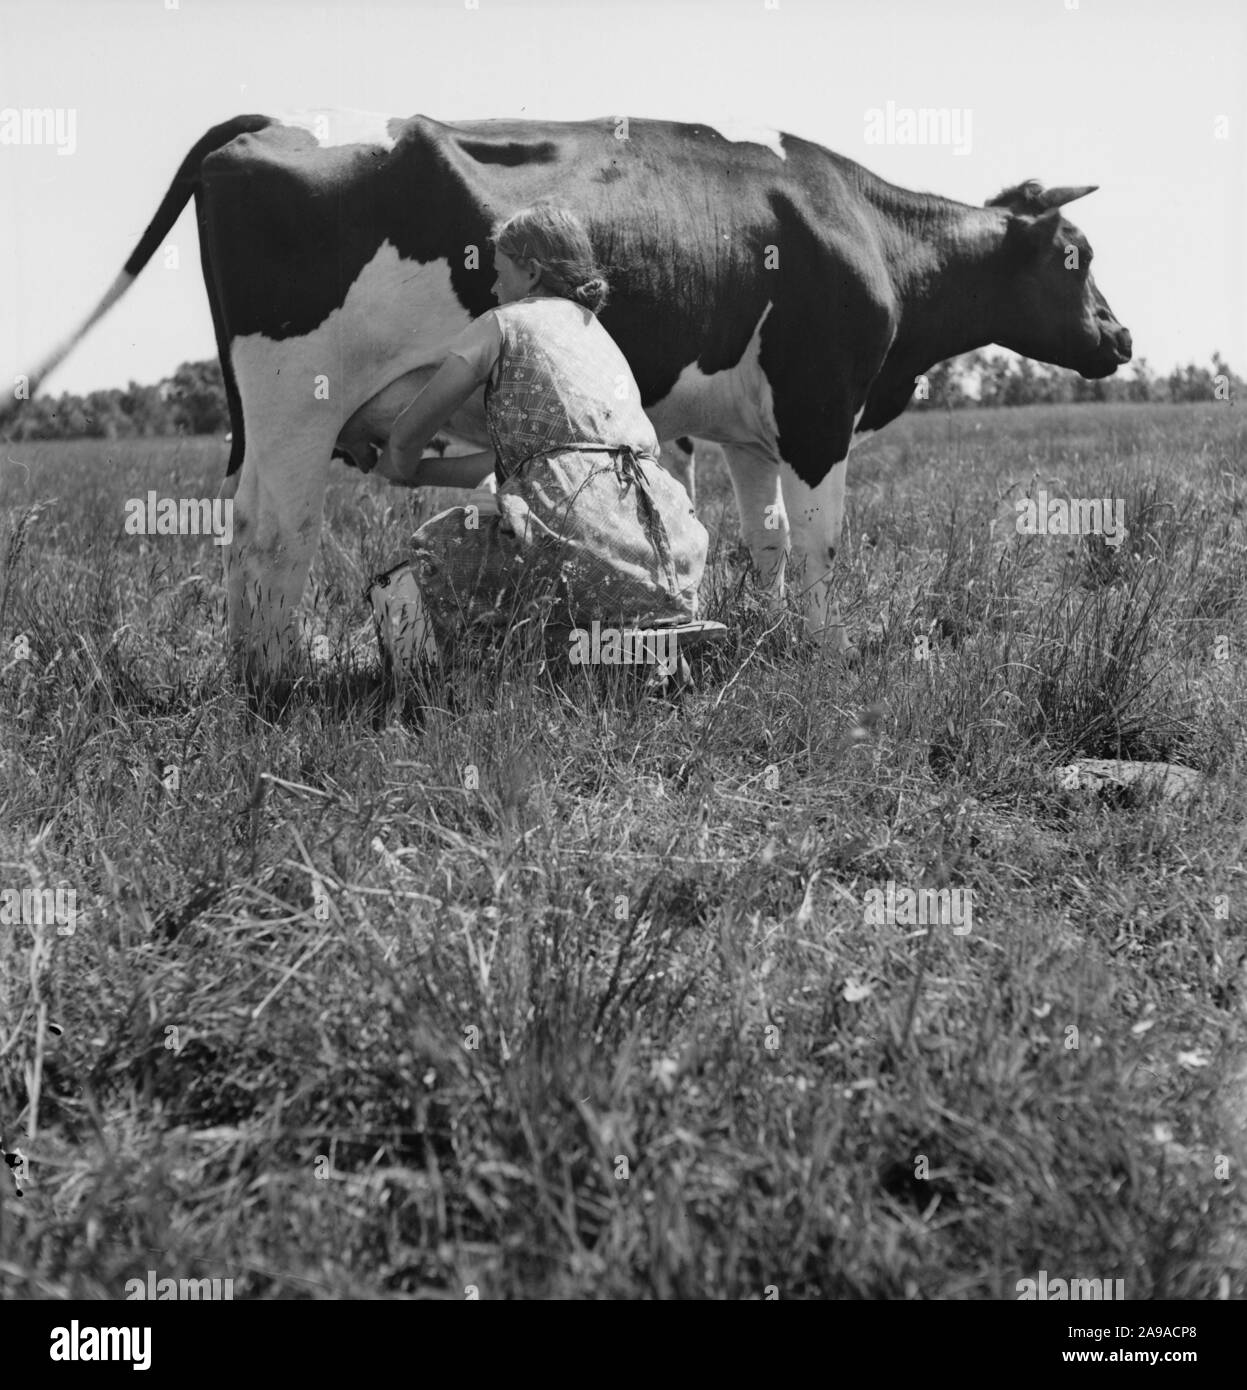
554, 239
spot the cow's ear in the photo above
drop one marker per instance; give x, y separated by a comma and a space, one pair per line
1021, 199
1030, 236
1032, 197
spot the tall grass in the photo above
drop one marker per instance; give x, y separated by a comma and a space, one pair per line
531, 983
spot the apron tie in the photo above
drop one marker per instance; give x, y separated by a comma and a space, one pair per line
631, 475
626, 461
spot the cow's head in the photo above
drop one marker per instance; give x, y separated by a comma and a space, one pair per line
1051, 309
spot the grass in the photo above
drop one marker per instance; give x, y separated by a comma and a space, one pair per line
543, 988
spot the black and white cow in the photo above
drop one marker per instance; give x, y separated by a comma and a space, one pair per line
768, 294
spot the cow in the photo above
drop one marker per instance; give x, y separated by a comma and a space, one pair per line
767, 293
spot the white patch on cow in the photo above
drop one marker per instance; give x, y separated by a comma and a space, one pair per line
347, 127
742, 132
729, 407
398, 317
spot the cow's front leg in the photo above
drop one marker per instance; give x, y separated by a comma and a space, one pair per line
279, 496
816, 517
763, 520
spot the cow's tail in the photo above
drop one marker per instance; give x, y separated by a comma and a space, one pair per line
181, 190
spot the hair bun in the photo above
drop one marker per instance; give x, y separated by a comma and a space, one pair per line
592, 293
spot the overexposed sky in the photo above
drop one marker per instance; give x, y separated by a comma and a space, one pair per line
1128, 94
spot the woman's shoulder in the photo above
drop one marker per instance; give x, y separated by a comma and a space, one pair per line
479, 342
539, 306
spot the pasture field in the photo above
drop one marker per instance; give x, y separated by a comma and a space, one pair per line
543, 988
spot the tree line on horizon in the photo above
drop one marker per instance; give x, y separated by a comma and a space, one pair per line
980, 378
192, 401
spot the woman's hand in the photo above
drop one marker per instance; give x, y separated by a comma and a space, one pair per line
386, 464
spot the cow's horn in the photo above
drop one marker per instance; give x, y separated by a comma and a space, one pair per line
1058, 197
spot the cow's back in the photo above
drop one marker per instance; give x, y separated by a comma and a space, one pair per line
689, 227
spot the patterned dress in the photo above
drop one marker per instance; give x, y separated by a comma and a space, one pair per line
590, 525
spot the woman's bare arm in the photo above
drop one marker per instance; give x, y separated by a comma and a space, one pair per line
451, 385
468, 470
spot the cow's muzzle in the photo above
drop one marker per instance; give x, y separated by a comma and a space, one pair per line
1114, 349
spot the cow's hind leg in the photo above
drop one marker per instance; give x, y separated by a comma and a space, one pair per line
816, 518
278, 497
678, 458
763, 520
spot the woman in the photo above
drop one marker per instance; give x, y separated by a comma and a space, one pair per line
585, 524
